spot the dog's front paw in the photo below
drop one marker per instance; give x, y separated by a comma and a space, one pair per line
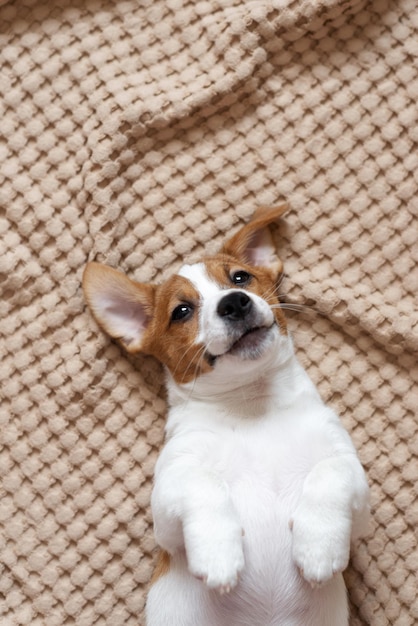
321, 545
215, 554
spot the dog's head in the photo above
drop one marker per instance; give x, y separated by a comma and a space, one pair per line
221, 309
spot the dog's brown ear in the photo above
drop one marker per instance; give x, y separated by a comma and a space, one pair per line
122, 307
253, 243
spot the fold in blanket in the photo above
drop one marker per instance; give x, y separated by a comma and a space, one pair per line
140, 133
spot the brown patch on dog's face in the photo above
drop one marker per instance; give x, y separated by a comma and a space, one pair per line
173, 329
229, 273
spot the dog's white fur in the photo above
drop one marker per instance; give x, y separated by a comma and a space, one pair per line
258, 490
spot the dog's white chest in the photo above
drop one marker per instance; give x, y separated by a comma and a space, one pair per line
273, 455
265, 464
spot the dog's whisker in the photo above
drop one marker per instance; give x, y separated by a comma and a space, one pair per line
183, 352
183, 356
192, 361
199, 354
298, 308
197, 367
273, 291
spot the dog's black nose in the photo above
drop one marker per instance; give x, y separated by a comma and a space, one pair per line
234, 306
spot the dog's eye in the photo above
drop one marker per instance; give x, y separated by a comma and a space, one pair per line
240, 278
181, 312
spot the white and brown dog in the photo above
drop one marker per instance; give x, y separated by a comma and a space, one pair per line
258, 490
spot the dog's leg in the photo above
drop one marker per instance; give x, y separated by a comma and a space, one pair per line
193, 511
177, 598
334, 499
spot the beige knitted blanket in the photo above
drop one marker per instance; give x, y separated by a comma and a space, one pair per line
139, 132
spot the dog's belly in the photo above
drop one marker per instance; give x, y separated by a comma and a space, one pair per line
265, 501
270, 583
265, 479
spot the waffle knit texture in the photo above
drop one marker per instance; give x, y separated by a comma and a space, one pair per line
140, 133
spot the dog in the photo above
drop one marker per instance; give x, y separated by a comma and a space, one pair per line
258, 490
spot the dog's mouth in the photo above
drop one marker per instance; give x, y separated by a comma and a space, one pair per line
250, 344
251, 339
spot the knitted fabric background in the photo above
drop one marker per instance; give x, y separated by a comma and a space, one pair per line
141, 132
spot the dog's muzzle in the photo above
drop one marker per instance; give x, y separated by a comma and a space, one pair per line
246, 327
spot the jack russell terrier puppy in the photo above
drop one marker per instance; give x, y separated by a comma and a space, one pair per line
258, 490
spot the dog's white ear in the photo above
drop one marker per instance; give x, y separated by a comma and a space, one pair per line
121, 306
253, 243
